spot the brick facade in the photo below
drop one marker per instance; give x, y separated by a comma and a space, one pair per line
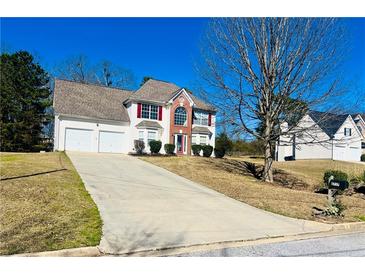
181, 101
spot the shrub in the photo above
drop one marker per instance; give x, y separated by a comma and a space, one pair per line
155, 146
139, 146
335, 209
196, 149
219, 152
337, 174
207, 150
222, 142
169, 149
363, 158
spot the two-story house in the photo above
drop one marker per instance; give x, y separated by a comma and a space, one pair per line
320, 135
95, 118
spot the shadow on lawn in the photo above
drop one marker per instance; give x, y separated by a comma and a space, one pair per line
33, 174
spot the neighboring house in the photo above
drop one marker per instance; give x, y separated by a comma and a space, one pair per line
320, 135
95, 118
360, 123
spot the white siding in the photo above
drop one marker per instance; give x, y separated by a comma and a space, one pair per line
313, 143
347, 148
162, 133
62, 123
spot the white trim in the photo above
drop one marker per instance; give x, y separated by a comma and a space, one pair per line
191, 101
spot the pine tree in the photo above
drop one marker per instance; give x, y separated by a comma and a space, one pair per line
25, 98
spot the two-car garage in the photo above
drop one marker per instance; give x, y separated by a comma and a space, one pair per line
91, 136
77, 139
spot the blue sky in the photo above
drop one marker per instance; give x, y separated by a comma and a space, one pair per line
164, 48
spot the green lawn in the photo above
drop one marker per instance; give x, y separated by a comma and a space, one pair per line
48, 210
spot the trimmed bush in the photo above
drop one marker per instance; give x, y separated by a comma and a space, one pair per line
169, 149
196, 149
337, 174
363, 158
219, 152
139, 146
155, 146
207, 150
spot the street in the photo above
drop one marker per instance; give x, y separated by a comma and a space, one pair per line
332, 246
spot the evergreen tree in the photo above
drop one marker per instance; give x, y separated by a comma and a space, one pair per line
25, 99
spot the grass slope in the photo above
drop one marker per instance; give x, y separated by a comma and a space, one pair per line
48, 211
223, 175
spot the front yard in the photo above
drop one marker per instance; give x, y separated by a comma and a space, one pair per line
235, 179
44, 205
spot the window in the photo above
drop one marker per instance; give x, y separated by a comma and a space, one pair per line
347, 131
145, 111
203, 139
363, 145
149, 111
153, 113
201, 118
180, 116
193, 139
141, 135
151, 135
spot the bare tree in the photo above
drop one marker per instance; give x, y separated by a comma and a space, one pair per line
108, 74
75, 68
259, 68
79, 69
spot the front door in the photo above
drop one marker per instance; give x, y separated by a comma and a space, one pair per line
179, 143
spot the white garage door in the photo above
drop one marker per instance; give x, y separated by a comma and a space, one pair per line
111, 141
346, 153
78, 139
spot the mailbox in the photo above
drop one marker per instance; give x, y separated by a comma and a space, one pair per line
341, 185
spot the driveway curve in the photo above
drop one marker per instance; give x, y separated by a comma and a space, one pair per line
144, 207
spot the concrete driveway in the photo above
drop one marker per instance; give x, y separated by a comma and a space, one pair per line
144, 207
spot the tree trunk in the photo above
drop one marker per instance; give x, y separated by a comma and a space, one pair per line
267, 175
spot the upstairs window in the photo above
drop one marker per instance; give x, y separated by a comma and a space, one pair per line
347, 131
149, 112
180, 116
201, 118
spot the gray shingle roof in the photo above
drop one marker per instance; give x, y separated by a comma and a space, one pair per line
201, 130
355, 115
160, 91
328, 122
155, 90
148, 124
87, 100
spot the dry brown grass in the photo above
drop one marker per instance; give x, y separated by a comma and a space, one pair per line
240, 185
44, 212
311, 170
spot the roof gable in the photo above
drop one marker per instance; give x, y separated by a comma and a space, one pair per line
162, 92
328, 122
186, 94
88, 100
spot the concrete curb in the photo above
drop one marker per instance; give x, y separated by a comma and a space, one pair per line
349, 226
91, 251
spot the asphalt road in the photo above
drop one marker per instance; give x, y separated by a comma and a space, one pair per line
333, 246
